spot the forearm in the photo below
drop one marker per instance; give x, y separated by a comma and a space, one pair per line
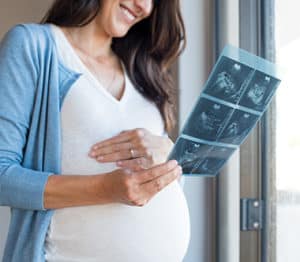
75, 190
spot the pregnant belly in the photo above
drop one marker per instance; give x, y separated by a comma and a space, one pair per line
158, 231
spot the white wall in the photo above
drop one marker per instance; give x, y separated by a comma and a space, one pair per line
16, 11
11, 13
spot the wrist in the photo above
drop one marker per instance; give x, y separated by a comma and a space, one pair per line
102, 188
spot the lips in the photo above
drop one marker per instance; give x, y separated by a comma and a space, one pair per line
129, 14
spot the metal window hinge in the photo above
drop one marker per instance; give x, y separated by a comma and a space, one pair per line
251, 214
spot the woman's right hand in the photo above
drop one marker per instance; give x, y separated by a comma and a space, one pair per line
137, 188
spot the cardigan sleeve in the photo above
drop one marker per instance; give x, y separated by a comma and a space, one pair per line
20, 187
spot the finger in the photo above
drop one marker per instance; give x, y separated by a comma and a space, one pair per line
124, 136
114, 157
136, 164
112, 148
120, 156
152, 173
126, 154
157, 184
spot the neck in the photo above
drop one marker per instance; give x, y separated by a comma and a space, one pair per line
91, 39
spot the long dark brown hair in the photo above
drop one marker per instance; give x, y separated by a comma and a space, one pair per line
148, 50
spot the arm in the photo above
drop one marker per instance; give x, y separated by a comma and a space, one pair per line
76, 190
119, 186
20, 187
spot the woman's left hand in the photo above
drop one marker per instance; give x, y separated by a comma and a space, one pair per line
134, 149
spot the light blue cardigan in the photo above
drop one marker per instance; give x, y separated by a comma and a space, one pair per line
33, 84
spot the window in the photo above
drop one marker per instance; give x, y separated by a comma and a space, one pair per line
288, 131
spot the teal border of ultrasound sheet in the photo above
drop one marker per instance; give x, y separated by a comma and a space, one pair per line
253, 61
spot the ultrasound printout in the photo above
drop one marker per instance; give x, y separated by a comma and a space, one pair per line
237, 93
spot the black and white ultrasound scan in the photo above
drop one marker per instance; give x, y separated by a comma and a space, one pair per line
229, 79
208, 119
189, 154
259, 91
238, 127
213, 161
235, 96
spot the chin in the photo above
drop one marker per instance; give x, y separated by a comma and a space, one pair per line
118, 33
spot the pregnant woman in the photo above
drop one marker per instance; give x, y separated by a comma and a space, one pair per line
86, 102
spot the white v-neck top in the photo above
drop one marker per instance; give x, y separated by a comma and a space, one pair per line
156, 232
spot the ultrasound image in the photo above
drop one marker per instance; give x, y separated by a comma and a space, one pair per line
188, 154
259, 91
198, 158
207, 120
213, 162
239, 126
235, 97
227, 82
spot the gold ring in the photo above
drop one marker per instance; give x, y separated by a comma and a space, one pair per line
132, 153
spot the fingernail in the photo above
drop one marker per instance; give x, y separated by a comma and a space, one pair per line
174, 162
100, 158
119, 163
92, 154
95, 147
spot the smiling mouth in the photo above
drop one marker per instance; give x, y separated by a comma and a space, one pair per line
128, 13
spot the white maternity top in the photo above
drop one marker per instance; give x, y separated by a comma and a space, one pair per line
156, 232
